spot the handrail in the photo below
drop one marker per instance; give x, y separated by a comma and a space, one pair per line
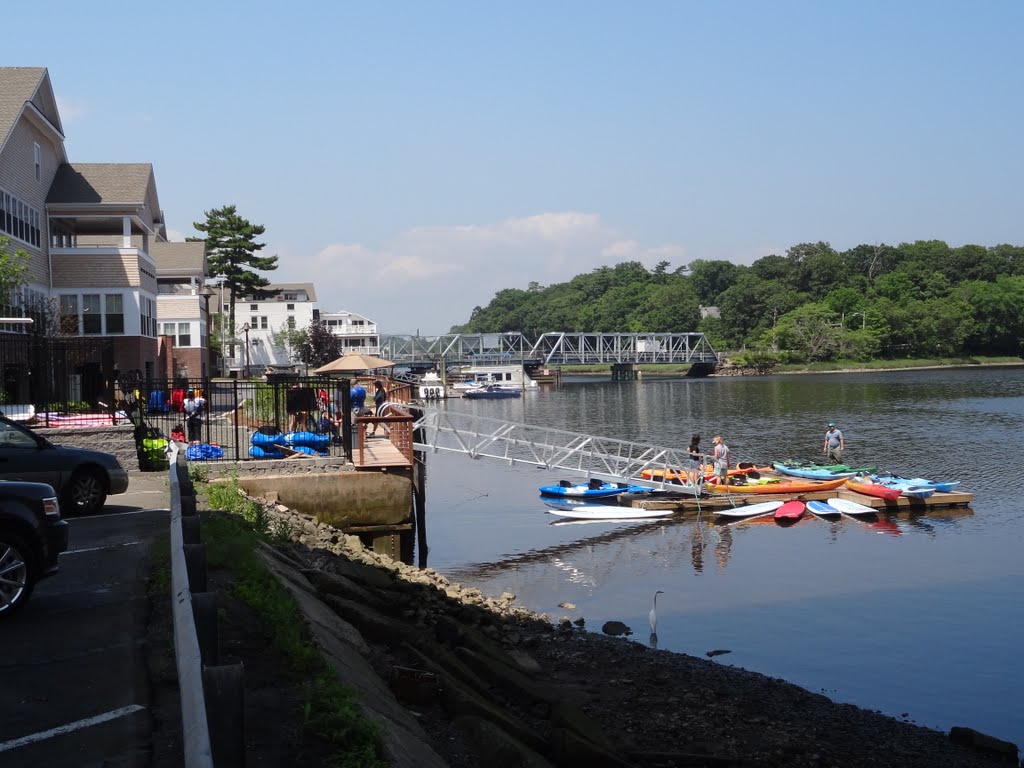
195, 729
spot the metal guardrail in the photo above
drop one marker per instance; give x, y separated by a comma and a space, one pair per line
212, 708
195, 729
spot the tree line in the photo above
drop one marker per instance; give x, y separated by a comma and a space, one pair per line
921, 299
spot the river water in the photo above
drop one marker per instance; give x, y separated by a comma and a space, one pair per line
918, 616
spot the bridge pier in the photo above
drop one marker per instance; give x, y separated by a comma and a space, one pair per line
626, 372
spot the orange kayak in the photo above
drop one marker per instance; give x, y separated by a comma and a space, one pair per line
877, 490
795, 485
679, 475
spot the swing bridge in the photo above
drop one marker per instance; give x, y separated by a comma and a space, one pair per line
603, 458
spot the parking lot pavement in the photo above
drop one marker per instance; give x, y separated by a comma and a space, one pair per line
75, 686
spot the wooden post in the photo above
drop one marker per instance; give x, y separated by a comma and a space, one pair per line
420, 502
225, 707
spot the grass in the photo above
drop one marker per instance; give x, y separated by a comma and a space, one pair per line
330, 710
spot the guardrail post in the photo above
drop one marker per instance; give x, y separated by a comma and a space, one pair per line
190, 530
204, 611
225, 708
195, 565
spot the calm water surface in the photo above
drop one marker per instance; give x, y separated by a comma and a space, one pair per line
914, 615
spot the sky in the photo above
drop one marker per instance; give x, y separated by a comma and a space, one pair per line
413, 159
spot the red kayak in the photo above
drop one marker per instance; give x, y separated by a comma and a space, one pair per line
873, 489
791, 510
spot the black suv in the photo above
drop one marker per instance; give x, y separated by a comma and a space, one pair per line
83, 478
32, 534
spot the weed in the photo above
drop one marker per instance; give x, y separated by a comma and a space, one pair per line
197, 473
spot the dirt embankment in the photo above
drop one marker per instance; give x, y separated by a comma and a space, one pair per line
462, 679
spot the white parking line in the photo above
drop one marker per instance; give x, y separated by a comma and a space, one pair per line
70, 727
99, 549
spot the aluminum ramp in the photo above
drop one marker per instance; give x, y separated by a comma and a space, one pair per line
604, 458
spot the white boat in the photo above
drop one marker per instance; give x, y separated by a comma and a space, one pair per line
475, 377
430, 387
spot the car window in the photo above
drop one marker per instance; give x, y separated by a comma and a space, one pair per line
12, 437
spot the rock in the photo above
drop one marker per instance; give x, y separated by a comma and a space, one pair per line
566, 605
616, 628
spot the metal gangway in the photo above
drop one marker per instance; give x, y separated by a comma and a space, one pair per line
603, 458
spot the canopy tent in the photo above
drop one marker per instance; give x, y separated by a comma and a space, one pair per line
354, 362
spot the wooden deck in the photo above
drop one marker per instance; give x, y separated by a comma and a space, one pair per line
378, 452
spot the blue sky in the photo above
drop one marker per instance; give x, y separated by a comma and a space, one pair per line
411, 159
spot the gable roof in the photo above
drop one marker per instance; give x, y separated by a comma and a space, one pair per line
103, 183
21, 86
275, 290
176, 258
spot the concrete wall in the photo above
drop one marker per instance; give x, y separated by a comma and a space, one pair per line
119, 441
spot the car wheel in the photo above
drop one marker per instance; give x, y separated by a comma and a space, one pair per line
16, 573
85, 493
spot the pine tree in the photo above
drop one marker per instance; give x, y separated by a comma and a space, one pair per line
231, 251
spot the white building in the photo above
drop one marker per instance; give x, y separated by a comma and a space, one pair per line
358, 334
261, 322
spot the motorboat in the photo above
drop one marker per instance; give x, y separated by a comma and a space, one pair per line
490, 392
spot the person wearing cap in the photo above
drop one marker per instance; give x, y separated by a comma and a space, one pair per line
834, 445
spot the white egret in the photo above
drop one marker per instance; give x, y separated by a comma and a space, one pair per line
653, 616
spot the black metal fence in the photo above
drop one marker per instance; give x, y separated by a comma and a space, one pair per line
249, 419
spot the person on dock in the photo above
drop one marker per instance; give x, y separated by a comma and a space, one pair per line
834, 444
721, 456
380, 397
694, 472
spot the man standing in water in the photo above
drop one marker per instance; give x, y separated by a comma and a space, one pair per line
834, 445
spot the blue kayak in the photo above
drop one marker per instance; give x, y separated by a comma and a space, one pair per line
592, 490
910, 489
940, 487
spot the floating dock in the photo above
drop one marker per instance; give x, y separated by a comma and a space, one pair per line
684, 504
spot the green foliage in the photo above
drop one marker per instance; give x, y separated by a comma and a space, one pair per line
232, 249
13, 270
319, 346
229, 497
269, 403
330, 709
923, 298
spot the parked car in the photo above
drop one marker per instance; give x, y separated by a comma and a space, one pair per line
32, 535
82, 478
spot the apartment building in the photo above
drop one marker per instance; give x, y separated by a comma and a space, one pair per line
358, 334
182, 308
262, 322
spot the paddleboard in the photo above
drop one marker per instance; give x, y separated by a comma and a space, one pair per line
821, 509
848, 507
791, 510
750, 510
603, 512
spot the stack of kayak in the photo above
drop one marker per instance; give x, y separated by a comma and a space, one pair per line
819, 471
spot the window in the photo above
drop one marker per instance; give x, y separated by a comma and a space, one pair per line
147, 317
69, 315
254, 307
92, 319
19, 220
37, 156
263, 323
254, 322
114, 312
291, 307
291, 323
167, 329
184, 334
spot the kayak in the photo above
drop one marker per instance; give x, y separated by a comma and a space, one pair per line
819, 471
679, 475
907, 487
592, 490
940, 487
796, 485
879, 491
791, 510
603, 512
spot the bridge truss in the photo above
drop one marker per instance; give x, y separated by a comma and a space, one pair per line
549, 349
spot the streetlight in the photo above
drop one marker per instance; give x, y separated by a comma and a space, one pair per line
220, 280
245, 330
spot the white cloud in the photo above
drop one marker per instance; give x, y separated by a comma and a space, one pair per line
430, 278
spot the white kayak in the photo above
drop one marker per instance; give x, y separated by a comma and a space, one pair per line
606, 512
848, 507
750, 510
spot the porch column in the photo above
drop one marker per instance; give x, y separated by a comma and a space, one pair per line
126, 232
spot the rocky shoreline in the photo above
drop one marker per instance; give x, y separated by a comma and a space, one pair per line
460, 678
